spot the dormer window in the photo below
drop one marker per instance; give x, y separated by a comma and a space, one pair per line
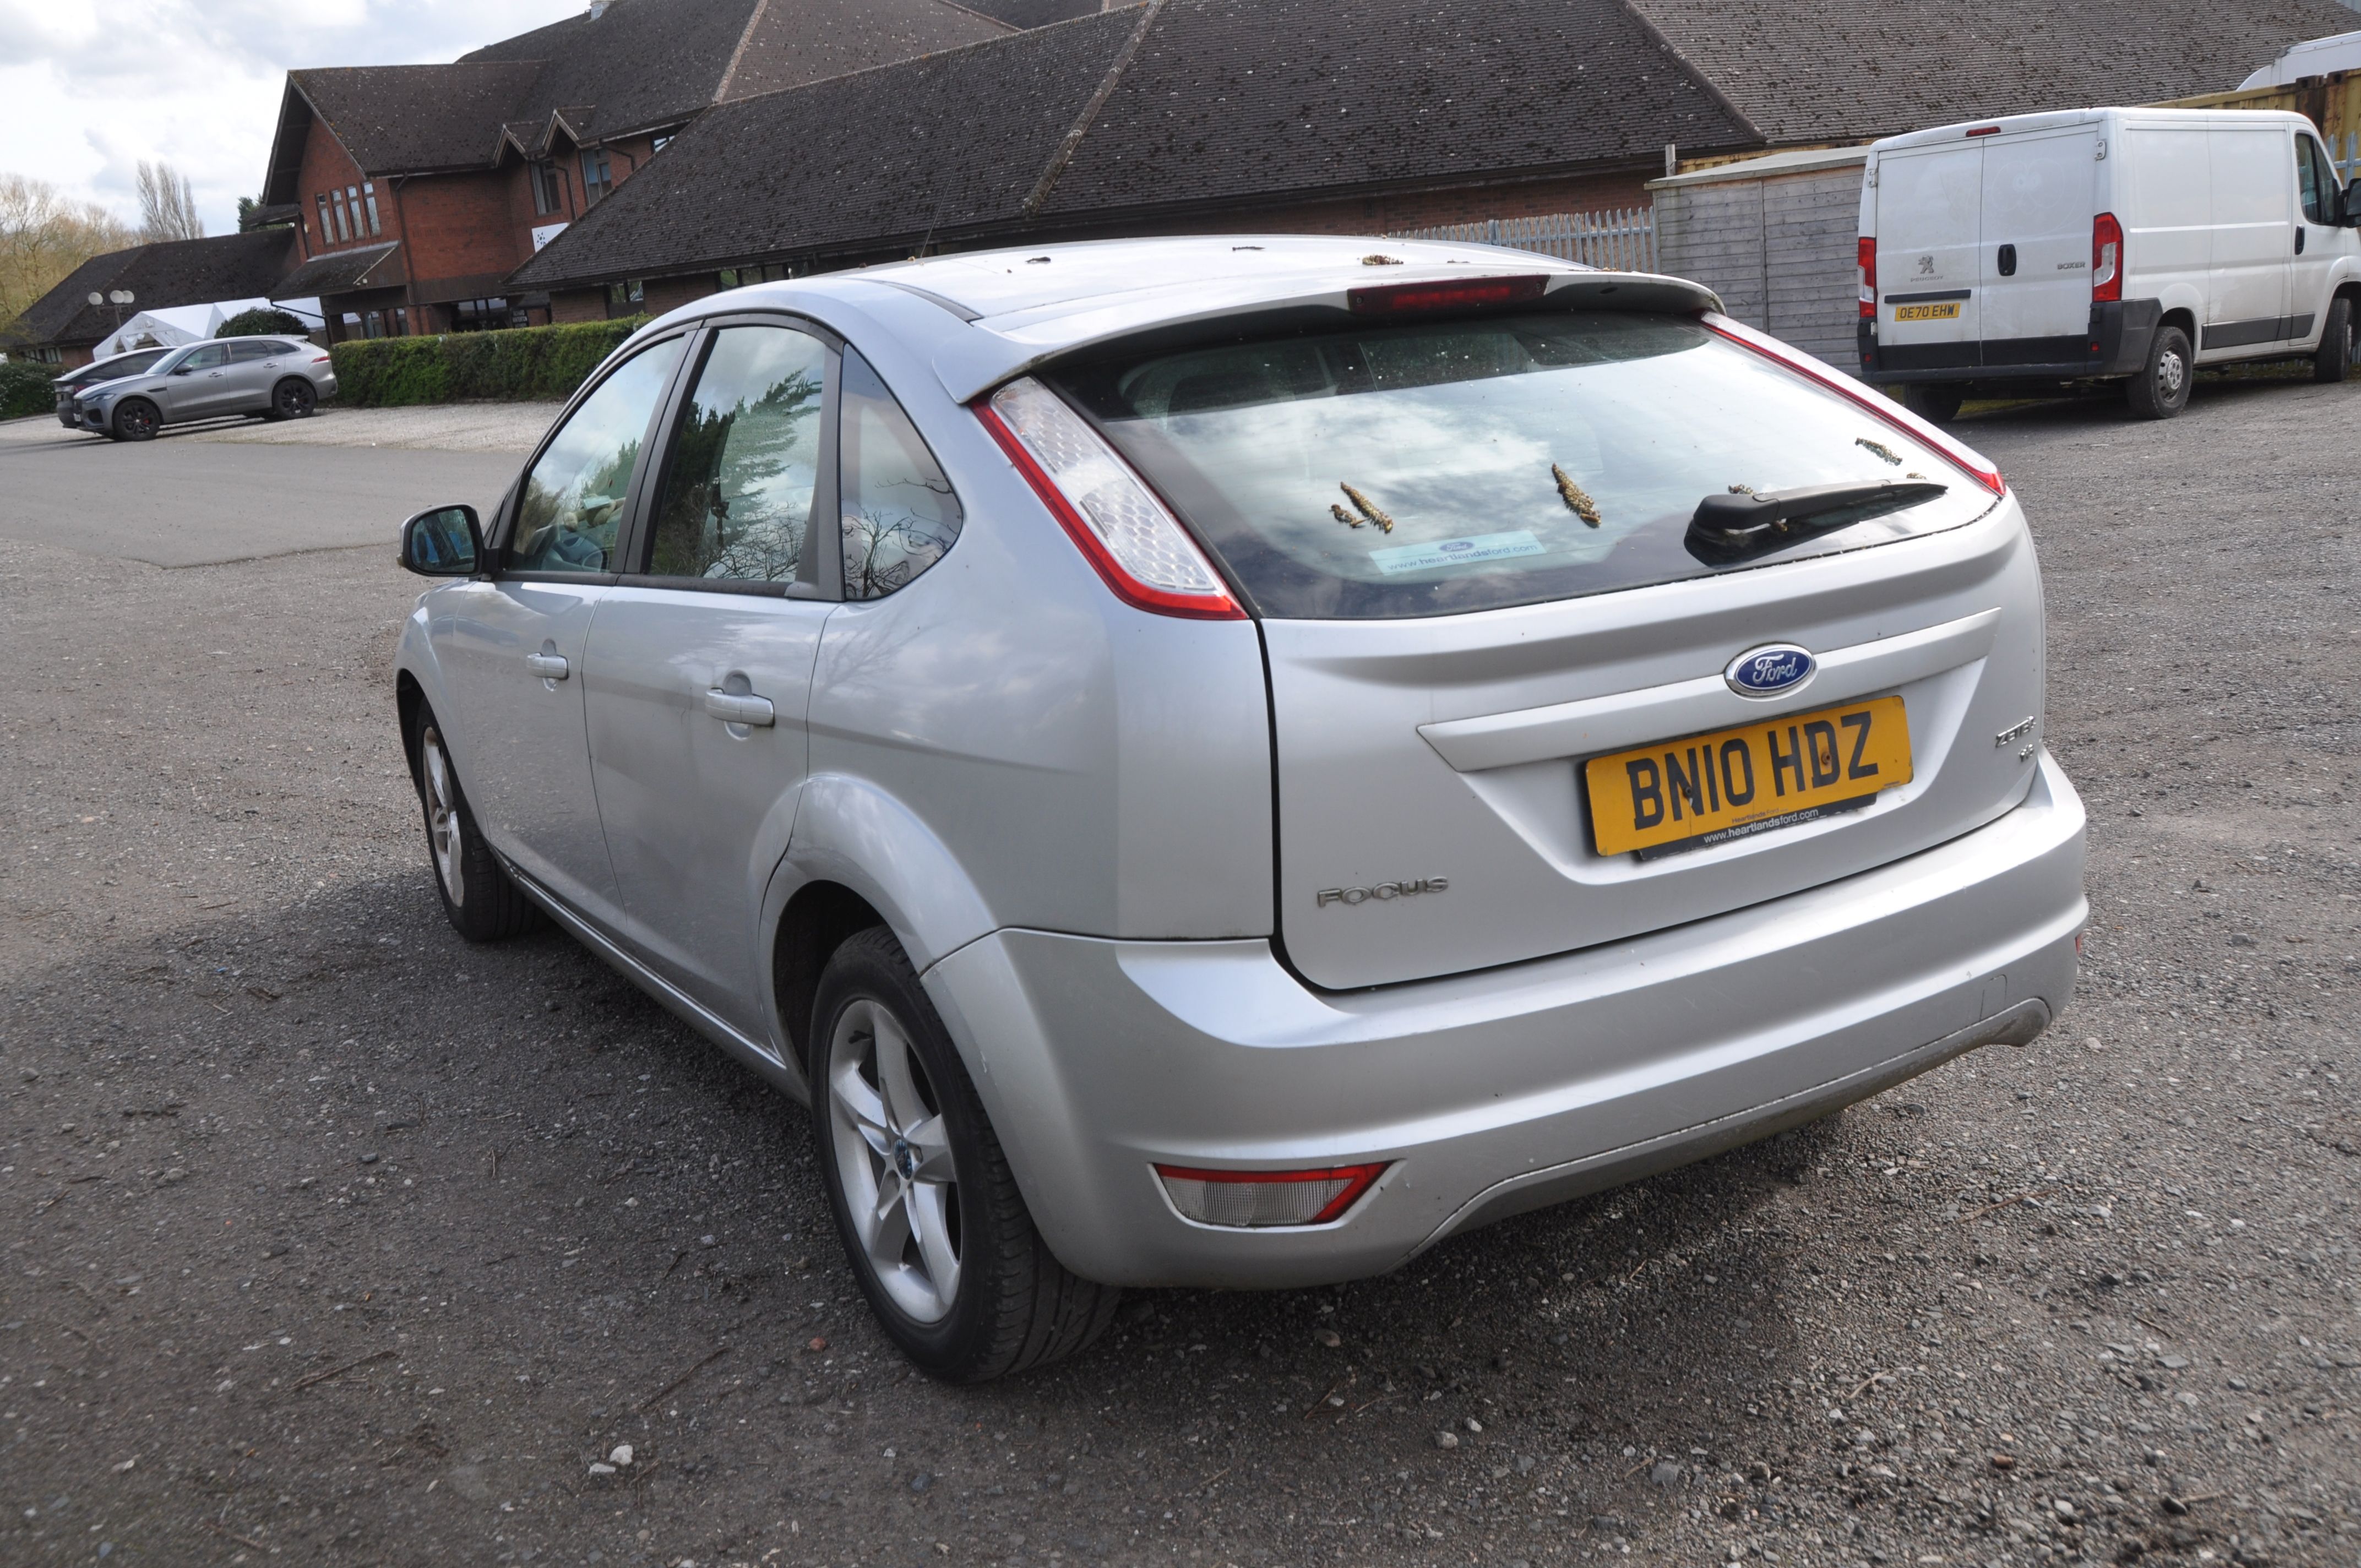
548, 187
597, 175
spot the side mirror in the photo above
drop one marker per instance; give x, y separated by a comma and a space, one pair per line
184, 370
445, 542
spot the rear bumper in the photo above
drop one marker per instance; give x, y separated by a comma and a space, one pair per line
2116, 345
1500, 1091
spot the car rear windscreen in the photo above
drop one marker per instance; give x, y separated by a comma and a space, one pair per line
1465, 464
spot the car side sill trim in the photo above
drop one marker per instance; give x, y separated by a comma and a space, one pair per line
2016, 1026
690, 1011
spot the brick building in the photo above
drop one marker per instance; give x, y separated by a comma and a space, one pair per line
419, 189
1349, 116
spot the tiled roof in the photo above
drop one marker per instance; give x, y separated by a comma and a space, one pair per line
364, 267
1836, 71
947, 142
1237, 98
635, 65
1224, 104
168, 273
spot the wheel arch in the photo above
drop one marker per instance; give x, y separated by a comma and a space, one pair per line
408, 702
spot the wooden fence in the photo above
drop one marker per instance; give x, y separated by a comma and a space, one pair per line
1621, 239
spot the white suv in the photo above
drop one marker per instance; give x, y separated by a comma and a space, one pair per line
1226, 763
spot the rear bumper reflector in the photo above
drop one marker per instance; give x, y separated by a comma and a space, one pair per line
1255, 1197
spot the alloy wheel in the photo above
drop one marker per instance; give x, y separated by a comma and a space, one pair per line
442, 817
893, 1160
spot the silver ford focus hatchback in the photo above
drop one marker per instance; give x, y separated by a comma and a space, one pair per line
1226, 763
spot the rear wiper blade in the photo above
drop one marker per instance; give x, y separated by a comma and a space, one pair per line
1746, 522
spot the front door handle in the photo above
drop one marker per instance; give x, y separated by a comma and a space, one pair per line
548, 666
737, 708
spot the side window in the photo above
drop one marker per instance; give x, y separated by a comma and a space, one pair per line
212, 356
574, 496
899, 512
2315, 179
738, 494
247, 349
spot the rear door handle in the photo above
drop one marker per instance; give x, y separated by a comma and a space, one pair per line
731, 707
548, 666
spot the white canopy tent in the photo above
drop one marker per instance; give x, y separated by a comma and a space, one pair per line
175, 324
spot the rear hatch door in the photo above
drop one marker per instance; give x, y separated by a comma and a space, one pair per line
2035, 263
1930, 239
1470, 543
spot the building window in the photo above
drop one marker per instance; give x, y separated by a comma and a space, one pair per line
327, 229
398, 320
657, 144
344, 220
769, 272
598, 176
626, 297
372, 324
368, 198
548, 187
481, 315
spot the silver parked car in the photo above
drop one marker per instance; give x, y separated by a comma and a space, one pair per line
269, 378
74, 383
1226, 763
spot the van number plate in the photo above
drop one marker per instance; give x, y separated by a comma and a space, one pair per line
1948, 310
1704, 790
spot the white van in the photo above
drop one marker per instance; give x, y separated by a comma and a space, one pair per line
2102, 243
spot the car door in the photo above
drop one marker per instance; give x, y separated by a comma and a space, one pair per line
198, 386
2318, 239
2254, 237
698, 670
253, 367
509, 645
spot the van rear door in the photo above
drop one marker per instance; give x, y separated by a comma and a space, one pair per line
1929, 221
2034, 267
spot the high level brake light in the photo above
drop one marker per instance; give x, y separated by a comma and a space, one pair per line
1121, 528
1255, 1198
1474, 293
1866, 263
1965, 459
2106, 257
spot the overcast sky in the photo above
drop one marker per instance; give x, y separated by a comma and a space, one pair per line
94, 86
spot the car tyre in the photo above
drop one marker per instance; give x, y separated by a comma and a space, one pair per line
482, 902
2333, 359
2161, 388
937, 1232
1937, 402
293, 398
136, 419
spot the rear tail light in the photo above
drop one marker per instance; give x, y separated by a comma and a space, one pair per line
1252, 1198
1960, 456
2106, 257
1137, 546
1867, 255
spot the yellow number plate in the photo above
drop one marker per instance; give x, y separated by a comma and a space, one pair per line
1948, 310
1708, 789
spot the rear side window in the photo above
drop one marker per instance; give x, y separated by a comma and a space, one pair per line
900, 515
1443, 468
737, 497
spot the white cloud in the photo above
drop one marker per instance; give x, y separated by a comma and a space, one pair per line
92, 89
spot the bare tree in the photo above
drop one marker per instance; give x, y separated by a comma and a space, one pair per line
43, 237
167, 209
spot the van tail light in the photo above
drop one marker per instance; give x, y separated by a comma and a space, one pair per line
1868, 258
2106, 257
1121, 528
1960, 456
1252, 1198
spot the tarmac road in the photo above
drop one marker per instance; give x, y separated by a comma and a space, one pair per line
326, 1236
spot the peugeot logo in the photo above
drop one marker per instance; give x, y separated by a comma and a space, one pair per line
1772, 670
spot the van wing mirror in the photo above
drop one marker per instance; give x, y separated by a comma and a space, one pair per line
447, 541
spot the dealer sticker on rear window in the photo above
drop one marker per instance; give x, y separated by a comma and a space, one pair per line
1454, 552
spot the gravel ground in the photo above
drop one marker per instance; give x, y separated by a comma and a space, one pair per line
330, 1239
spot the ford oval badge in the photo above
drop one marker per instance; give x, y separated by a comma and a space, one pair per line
1770, 671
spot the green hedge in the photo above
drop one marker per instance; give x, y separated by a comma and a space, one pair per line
25, 389
512, 365
262, 322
